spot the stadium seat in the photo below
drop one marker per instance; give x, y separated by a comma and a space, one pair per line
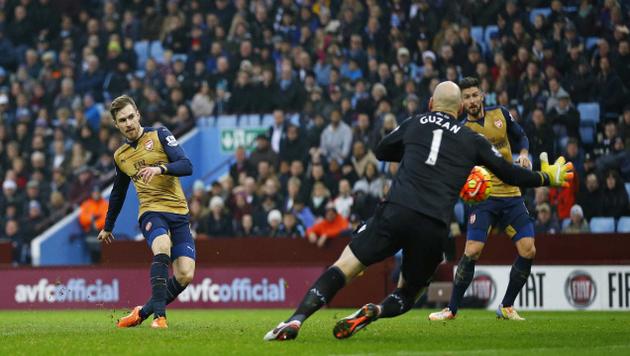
486, 35
226, 121
565, 223
587, 134
589, 112
602, 225
477, 33
142, 51
623, 225
267, 120
591, 42
545, 11
157, 52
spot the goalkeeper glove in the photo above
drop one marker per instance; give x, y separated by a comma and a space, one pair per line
560, 174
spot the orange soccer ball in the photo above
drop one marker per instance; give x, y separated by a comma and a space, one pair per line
477, 187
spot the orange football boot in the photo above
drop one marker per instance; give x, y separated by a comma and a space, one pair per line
131, 320
159, 323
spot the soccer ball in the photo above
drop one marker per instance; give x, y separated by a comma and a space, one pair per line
477, 187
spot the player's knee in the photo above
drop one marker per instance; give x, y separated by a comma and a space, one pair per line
161, 244
473, 250
527, 248
473, 254
185, 277
529, 252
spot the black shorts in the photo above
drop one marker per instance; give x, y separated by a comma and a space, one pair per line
394, 227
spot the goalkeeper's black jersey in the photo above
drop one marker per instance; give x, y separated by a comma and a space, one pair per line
436, 155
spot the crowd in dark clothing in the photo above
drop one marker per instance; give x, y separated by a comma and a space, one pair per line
351, 69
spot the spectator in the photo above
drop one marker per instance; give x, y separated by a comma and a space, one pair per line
218, 223
591, 199
294, 146
373, 180
21, 246
92, 215
261, 212
615, 198
246, 227
578, 224
606, 144
263, 152
278, 131
274, 220
608, 88
545, 221
336, 139
361, 158
303, 213
291, 227
92, 212
319, 199
564, 118
82, 183
242, 164
328, 228
541, 137
343, 202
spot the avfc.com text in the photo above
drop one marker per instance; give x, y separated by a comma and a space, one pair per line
240, 290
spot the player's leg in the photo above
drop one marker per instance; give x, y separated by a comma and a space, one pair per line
155, 230
364, 249
318, 295
422, 253
421, 256
522, 231
183, 254
479, 223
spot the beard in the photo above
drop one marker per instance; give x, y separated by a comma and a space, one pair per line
473, 110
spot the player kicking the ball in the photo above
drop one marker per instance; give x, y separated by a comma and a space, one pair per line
153, 159
505, 207
437, 154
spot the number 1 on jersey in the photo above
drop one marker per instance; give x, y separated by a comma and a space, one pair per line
435, 147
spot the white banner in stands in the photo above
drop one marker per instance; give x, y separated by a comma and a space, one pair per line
556, 287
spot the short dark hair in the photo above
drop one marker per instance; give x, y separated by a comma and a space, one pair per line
119, 103
468, 82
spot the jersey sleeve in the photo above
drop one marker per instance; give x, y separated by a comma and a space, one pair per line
511, 174
391, 147
516, 134
116, 198
179, 165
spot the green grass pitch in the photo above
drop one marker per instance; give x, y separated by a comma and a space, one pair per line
240, 332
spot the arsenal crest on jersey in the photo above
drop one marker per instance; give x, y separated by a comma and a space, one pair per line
498, 123
149, 145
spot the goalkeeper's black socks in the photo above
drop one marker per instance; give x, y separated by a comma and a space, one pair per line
518, 277
320, 294
399, 302
463, 278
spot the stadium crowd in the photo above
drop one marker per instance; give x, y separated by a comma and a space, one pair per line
351, 69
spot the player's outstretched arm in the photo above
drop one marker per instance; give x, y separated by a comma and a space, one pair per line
558, 174
391, 147
179, 165
116, 199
